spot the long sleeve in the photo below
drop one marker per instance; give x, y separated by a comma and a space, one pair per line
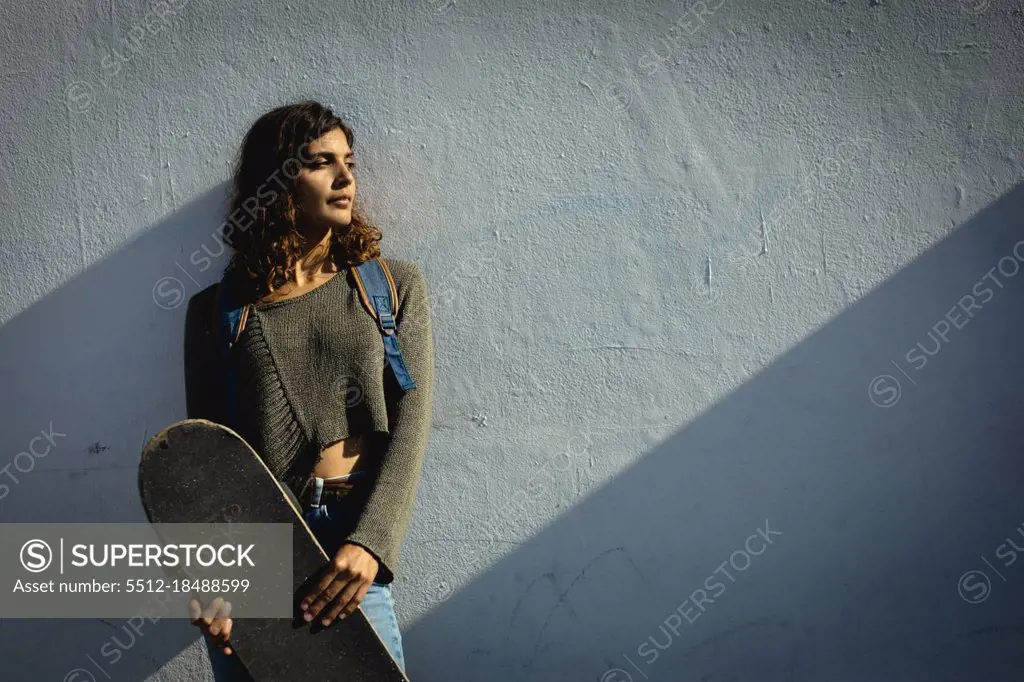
203, 374
383, 524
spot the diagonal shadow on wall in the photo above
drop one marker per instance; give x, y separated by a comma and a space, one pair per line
101, 354
882, 472
883, 498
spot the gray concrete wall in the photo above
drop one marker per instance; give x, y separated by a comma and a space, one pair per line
699, 278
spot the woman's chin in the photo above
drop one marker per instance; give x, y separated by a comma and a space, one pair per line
339, 219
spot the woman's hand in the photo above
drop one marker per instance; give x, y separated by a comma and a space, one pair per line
345, 582
213, 622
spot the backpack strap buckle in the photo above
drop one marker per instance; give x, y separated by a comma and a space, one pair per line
385, 320
380, 298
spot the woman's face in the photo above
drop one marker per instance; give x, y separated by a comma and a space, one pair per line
325, 187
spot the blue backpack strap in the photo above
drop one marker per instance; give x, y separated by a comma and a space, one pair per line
231, 318
379, 296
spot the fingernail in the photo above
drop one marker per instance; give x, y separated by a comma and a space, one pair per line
307, 617
325, 621
304, 605
342, 616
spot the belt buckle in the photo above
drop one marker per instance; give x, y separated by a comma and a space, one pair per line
339, 491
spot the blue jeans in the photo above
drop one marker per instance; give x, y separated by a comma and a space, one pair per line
377, 604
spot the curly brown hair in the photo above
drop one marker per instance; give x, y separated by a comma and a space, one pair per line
266, 249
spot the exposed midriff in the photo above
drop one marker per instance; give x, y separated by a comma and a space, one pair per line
344, 456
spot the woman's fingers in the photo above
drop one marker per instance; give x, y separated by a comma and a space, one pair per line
317, 595
199, 616
219, 608
214, 621
324, 598
194, 611
347, 602
218, 627
225, 635
217, 611
220, 632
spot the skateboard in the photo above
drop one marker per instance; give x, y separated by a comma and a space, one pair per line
187, 459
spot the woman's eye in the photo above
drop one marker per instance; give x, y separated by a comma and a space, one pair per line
321, 164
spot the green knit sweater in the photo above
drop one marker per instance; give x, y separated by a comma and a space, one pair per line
311, 371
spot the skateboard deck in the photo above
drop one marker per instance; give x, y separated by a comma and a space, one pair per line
194, 469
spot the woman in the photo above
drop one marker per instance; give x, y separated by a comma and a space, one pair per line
316, 397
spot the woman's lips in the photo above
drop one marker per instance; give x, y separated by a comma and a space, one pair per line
341, 203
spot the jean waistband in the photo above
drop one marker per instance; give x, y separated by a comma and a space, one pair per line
320, 490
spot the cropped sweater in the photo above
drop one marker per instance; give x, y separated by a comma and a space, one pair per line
311, 370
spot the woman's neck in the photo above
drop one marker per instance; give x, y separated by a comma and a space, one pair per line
315, 263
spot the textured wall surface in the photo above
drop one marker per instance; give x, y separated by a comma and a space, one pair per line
726, 304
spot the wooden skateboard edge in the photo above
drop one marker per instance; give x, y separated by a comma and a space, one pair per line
162, 435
